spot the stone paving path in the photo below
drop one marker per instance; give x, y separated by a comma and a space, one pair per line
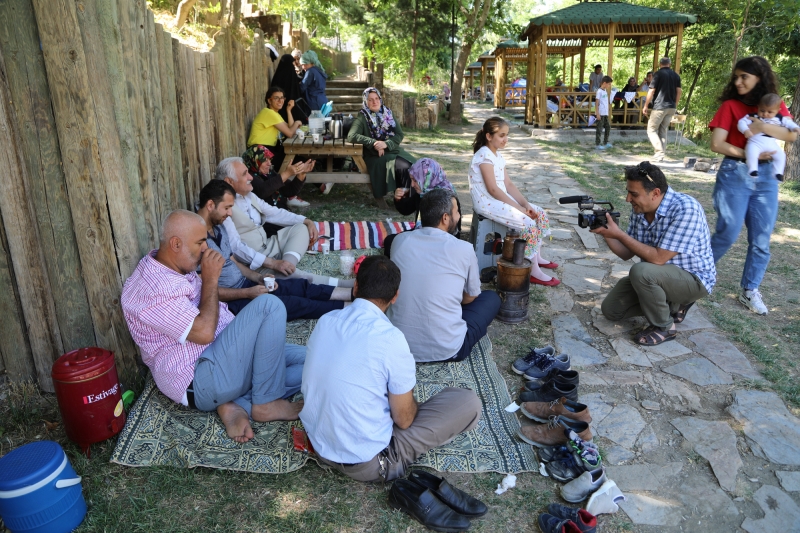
684, 436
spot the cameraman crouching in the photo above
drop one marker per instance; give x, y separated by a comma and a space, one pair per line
669, 233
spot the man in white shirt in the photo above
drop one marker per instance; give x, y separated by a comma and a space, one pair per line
358, 381
441, 309
596, 78
279, 254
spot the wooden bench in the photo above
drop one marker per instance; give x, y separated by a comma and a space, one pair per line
330, 149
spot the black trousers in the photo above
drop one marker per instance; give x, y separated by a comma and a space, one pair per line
301, 298
478, 315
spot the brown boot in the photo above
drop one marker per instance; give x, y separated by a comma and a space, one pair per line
543, 411
555, 432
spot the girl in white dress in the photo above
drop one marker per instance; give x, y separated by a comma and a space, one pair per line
495, 197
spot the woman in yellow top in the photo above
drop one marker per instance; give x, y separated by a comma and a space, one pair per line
268, 123
266, 126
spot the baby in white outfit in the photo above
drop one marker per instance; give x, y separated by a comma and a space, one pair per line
769, 111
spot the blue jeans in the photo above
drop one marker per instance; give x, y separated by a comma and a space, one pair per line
739, 197
249, 362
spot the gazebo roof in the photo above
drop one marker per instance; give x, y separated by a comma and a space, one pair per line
605, 12
476, 64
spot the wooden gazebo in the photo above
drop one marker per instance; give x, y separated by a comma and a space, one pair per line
505, 55
594, 24
486, 60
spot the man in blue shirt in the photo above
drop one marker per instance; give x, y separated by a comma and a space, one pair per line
358, 386
669, 233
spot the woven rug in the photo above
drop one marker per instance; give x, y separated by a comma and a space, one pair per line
359, 235
161, 432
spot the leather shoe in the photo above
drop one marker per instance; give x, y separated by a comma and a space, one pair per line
424, 507
552, 390
456, 499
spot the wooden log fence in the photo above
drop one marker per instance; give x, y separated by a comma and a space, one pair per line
107, 123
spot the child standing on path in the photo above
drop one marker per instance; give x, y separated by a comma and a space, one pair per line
496, 197
601, 105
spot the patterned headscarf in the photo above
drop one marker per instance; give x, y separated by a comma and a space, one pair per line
310, 58
254, 156
429, 175
381, 123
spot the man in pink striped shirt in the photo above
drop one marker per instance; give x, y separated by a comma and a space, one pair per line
199, 354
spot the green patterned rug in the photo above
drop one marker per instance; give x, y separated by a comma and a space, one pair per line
161, 432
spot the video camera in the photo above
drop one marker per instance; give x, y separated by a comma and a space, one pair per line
597, 217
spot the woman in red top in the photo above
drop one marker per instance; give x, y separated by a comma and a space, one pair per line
738, 197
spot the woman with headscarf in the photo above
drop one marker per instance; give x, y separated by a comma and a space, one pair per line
423, 176
274, 188
286, 78
314, 80
375, 128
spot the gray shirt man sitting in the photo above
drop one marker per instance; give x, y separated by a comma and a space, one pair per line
441, 309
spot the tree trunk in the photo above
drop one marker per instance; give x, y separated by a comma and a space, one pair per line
473, 29
223, 13
183, 12
793, 149
740, 36
413, 47
692, 86
236, 14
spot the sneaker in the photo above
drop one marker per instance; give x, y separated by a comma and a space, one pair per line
752, 300
536, 355
296, 201
582, 486
568, 376
609, 145
541, 367
551, 453
564, 468
600, 147
585, 520
555, 432
605, 500
552, 390
325, 188
541, 411
551, 524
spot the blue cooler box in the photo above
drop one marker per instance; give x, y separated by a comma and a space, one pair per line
39, 490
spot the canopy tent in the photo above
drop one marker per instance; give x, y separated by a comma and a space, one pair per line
569, 31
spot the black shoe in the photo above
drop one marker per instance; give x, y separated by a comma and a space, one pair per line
551, 453
538, 384
566, 376
456, 499
552, 524
421, 505
548, 392
565, 467
585, 520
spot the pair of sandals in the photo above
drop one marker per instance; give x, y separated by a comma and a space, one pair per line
653, 335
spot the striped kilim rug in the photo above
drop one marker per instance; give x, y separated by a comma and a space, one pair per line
161, 432
359, 235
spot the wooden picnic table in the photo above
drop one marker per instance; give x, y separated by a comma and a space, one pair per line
295, 146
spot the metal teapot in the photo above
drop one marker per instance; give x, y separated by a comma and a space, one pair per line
337, 126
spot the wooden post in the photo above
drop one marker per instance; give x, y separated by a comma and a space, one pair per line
638, 60
582, 71
22, 233
72, 100
113, 172
564, 67
541, 87
655, 55
379, 77
531, 75
484, 88
500, 80
572, 72
678, 47
409, 112
30, 97
612, 27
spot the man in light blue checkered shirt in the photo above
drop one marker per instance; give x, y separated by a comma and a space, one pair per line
669, 233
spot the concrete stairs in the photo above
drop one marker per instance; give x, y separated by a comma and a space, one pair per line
345, 95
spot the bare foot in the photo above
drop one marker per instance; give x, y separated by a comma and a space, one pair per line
236, 421
277, 410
